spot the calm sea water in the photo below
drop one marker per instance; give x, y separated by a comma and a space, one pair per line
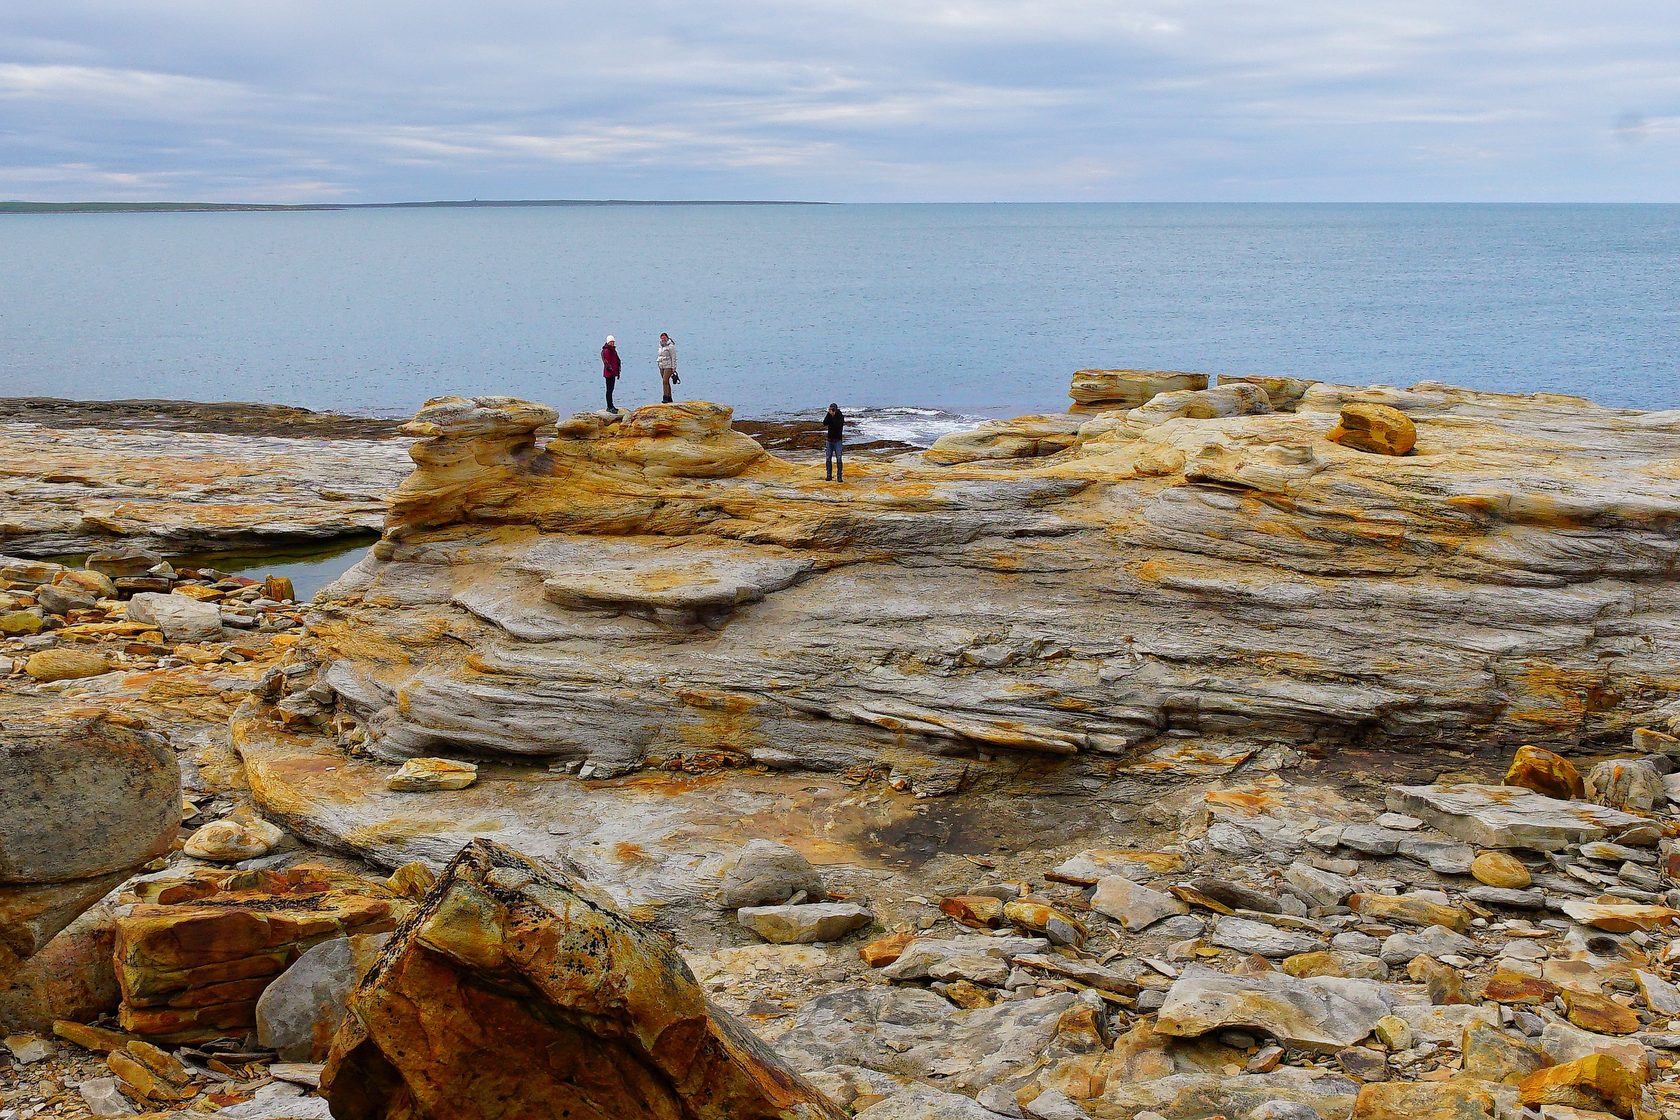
967, 309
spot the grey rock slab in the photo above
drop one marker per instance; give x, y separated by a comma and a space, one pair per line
1321, 1013
1053, 1104
1134, 906
1433, 941
103, 1097
1323, 888
1372, 839
1099, 863
916, 1035
804, 924
921, 1102
1512, 898
182, 619
1245, 936
977, 968
921, 956
300, 1011
1511, 816
279, 1100
1444, 857
769, 873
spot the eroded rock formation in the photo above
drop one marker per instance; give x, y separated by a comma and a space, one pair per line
512, 983
641, 592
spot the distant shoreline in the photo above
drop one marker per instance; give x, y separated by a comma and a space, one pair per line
16, 207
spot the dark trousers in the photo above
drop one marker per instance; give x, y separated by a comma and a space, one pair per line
611, 381
834, 463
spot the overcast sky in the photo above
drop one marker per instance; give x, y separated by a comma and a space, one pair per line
846, 100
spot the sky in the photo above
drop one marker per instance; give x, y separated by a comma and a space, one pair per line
840, 100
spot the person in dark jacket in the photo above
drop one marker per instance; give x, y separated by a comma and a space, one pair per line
610, 365
835, 421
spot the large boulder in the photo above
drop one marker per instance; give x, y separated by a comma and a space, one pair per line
181, 618
1024, 437
1626, 783
87, 801
1545, 772
605, 1019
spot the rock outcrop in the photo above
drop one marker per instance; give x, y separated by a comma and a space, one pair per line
87, 800
650, 591
189, 491
514, 984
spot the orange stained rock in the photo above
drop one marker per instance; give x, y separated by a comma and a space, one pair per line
1597, 1081
1544, 772
1436, 1099
609, 1021
885, 950
1517, 989
978, 911
1601, 1014
1410, 911
1376, 428
191, 963
1621, 917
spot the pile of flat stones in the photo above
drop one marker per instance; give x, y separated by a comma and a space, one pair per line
131, 609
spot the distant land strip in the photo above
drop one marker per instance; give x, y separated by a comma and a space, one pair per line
18, 207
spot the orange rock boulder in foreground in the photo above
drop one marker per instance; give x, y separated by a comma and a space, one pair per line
514, 991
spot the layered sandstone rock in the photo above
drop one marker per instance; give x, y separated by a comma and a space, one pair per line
515, 984
1096, 390
87, 800
194, 957
79, 489
648, 591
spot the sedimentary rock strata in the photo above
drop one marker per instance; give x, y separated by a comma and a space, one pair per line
637, 593
79, 489
193, 959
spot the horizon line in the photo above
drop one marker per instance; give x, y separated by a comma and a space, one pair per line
25, 206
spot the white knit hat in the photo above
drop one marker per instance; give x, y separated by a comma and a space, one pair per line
611, 339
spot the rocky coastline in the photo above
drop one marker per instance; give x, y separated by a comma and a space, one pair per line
1266, 749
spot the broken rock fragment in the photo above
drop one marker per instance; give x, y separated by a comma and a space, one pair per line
609, 1021
1322, 1013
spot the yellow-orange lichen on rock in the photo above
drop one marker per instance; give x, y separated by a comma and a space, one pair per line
1597, 1082
1376, 428
607, 1019
1544, 772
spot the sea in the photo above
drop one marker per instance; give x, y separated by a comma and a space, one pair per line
919, 318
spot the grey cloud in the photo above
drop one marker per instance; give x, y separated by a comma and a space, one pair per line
867, 99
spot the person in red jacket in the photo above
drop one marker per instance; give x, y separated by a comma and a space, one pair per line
610, 366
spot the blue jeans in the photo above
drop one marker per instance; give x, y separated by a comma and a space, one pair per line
833, 462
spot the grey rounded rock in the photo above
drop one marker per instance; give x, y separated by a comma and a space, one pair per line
769, 874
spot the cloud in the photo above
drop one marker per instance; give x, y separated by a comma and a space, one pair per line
841, 99
114, 90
